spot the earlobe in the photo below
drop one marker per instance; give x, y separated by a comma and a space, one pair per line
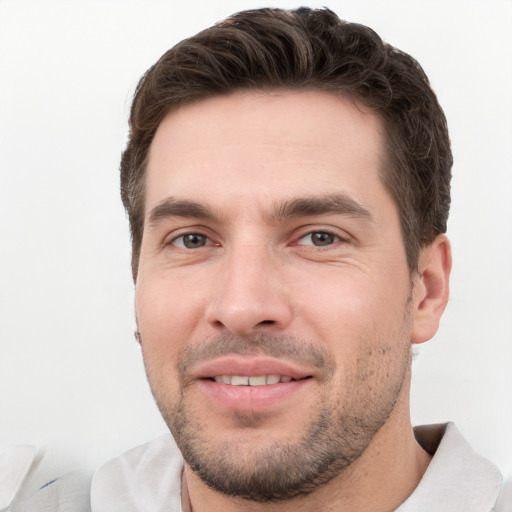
431, 288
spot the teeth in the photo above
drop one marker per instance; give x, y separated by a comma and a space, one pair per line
260, 380
257, 381
239, 381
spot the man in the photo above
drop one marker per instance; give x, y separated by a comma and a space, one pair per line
287, 182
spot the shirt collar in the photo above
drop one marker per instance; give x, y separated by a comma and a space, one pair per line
457, 479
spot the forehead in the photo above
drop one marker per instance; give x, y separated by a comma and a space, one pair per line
265, 145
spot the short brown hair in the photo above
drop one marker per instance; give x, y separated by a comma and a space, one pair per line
304, 49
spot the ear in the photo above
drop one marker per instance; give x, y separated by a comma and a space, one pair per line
431, 288
136, 333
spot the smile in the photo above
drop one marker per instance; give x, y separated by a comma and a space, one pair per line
260, 380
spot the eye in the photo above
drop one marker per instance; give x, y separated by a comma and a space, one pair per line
319, 239
191, 241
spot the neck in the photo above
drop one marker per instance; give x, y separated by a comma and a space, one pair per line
380, 480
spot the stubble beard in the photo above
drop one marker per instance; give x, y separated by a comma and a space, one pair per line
335, 437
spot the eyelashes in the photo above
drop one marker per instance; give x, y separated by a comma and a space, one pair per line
196, 240
319, 239
191, 241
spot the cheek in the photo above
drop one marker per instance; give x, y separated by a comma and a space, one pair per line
167, 317
168, 299
349, 305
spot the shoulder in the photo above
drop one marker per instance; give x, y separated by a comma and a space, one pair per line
147, 477
42, 480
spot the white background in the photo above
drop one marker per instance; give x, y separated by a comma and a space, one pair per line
70, 370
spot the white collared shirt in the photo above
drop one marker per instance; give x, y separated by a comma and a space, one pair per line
457, 479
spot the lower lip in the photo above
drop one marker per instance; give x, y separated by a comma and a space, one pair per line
252, 398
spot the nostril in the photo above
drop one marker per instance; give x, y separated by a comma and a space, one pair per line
267, 322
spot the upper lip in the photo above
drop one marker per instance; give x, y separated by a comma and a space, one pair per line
249, 367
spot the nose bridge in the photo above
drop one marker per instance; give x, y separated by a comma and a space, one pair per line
250, 295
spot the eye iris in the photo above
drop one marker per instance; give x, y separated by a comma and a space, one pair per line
193, 241
322, 238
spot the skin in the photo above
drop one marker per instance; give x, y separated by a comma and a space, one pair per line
326, 292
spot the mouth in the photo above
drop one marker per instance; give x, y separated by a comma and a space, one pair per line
258, 380
250, 371
254, 384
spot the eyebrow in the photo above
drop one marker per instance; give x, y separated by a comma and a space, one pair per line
309, 206
171, 207
341, 204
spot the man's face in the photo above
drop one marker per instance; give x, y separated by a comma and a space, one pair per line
273, 293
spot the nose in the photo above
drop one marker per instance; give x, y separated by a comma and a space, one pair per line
249, 294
